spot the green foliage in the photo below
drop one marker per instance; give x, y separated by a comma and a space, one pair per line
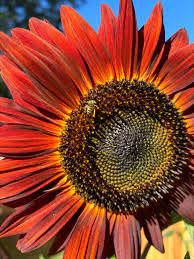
190, 230
16, 13
168, 233
187, 256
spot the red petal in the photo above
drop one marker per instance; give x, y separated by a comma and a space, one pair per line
127, 237
154, 234
50, 224
87, 237
150, 35
107, 29
23, 141
89, 45
29, 187
186, 208
31, 95
44, 70
176, 42
10, 113
126, 41
178, 71
12, 170
25, 217
68, 62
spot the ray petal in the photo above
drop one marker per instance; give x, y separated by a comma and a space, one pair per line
126, 237
89, 44
107, 29
154, 234
151, 39
126, 41
87, 237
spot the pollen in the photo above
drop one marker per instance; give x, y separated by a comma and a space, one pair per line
125, 146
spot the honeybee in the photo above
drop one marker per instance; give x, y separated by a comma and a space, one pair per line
90, 107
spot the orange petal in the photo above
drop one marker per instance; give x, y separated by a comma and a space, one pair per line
184, 99
126, 41
89, 45
127, 237
151, 39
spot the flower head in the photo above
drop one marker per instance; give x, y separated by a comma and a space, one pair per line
98, 139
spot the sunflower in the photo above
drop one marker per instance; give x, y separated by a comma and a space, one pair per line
97, 142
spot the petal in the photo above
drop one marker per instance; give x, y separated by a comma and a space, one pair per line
49, 225
154, 234
151, 39
126, 237
88, 236
44, 70
173, 44
89, 45
107, 29
29, 93
26, 216
177, 41
63, 59
126, 41
10, 113
186, 208
178, 71
184, 99
30, 185
21, 141
12, 170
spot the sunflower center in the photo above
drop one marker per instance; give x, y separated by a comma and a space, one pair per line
131, 149
125, 146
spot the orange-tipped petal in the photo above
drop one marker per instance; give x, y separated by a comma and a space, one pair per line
89, 44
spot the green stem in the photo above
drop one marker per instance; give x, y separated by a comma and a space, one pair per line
146, 250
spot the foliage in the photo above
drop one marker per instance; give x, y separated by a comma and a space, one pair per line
16, 13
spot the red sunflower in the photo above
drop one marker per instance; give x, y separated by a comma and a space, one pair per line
98, 139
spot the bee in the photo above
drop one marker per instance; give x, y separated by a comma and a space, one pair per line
90, 107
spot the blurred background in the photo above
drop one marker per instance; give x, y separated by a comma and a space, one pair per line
179, 237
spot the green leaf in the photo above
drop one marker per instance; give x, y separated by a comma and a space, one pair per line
190, 230
113, 257
187, 256
175, 218
168, 233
